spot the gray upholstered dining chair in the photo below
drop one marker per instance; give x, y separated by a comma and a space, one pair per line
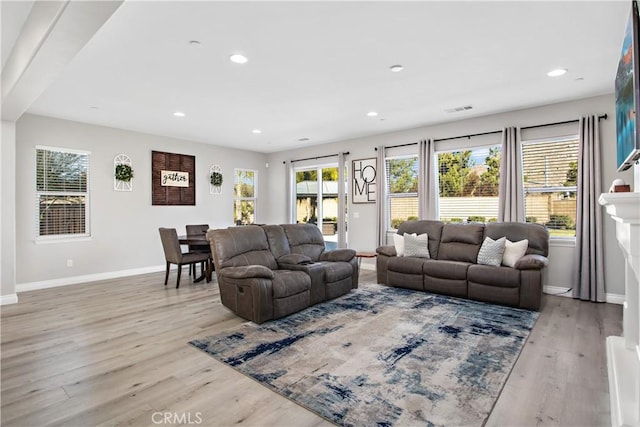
174, 255
197, 229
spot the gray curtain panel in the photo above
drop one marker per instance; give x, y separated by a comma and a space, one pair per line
381, 193
342, 233
589, 278
511, 190
427, 180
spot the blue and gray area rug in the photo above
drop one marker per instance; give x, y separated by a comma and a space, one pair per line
383, 356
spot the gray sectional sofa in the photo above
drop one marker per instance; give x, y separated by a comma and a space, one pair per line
270, 271
452, 268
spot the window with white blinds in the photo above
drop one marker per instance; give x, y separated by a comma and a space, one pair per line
62, 192
245, 196
550, 174
402, 189
468, 184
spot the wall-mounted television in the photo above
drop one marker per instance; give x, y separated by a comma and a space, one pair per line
628, 94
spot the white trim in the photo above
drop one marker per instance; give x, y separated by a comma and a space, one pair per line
564, 292
64, 281
615, 298
564, 242
62, 239
558, 291
8, 299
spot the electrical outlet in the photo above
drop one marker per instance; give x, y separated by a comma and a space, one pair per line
69, 263
356, 215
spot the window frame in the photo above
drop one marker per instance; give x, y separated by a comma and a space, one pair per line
387, 185
568, 241
453, 150
70, 237
237, 198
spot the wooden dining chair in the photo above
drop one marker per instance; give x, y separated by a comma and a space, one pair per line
198, 229
174, 255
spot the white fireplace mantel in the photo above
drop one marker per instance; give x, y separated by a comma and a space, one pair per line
623, 353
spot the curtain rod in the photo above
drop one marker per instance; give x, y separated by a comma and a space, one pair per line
316, 158
604, 116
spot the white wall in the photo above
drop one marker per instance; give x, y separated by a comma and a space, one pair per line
362, 231
7, 214
124, 225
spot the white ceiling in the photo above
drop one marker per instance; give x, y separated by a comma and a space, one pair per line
316, 68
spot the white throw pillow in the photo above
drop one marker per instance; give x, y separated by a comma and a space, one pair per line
416, 246
398, 242
491, 251
513, 251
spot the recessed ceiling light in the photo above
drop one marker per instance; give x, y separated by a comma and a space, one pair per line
303, 139
238, 59
557, 72
372, 113
194, 42
178, 114
396, 68
95, 108
256, 131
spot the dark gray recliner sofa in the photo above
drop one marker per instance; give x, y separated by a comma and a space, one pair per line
453, 268
270, 271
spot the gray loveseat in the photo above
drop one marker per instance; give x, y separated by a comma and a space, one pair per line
453, 270
270, 271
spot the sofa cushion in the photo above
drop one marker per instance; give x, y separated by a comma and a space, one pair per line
504, 277
287, 283
454, 270
241, 246
513, 251
491, 251
461, 242
336, 270
432, 228
536, 234
304, 239
406, 265
416, 246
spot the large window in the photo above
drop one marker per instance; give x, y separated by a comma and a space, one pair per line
550, 173
62, 192
245, 196
402, 189
468, 184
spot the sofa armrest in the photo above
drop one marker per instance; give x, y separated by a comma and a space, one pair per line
531, 262
387, 250
345, 255
294, 259
247, 272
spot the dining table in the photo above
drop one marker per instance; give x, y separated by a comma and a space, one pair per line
200, 240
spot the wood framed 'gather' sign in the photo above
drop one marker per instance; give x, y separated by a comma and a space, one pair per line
173, 179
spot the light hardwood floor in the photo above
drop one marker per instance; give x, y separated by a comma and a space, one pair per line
115, 353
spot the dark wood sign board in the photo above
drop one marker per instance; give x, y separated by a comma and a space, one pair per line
172, 196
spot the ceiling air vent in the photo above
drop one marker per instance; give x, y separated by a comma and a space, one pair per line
458, 109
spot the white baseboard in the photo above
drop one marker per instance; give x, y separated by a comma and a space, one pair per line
74, 280
8, 299
565, 292
615, 298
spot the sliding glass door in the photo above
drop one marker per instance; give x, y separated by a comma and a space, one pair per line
316, 194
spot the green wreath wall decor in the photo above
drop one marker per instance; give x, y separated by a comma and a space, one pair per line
124, 172
216, 179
